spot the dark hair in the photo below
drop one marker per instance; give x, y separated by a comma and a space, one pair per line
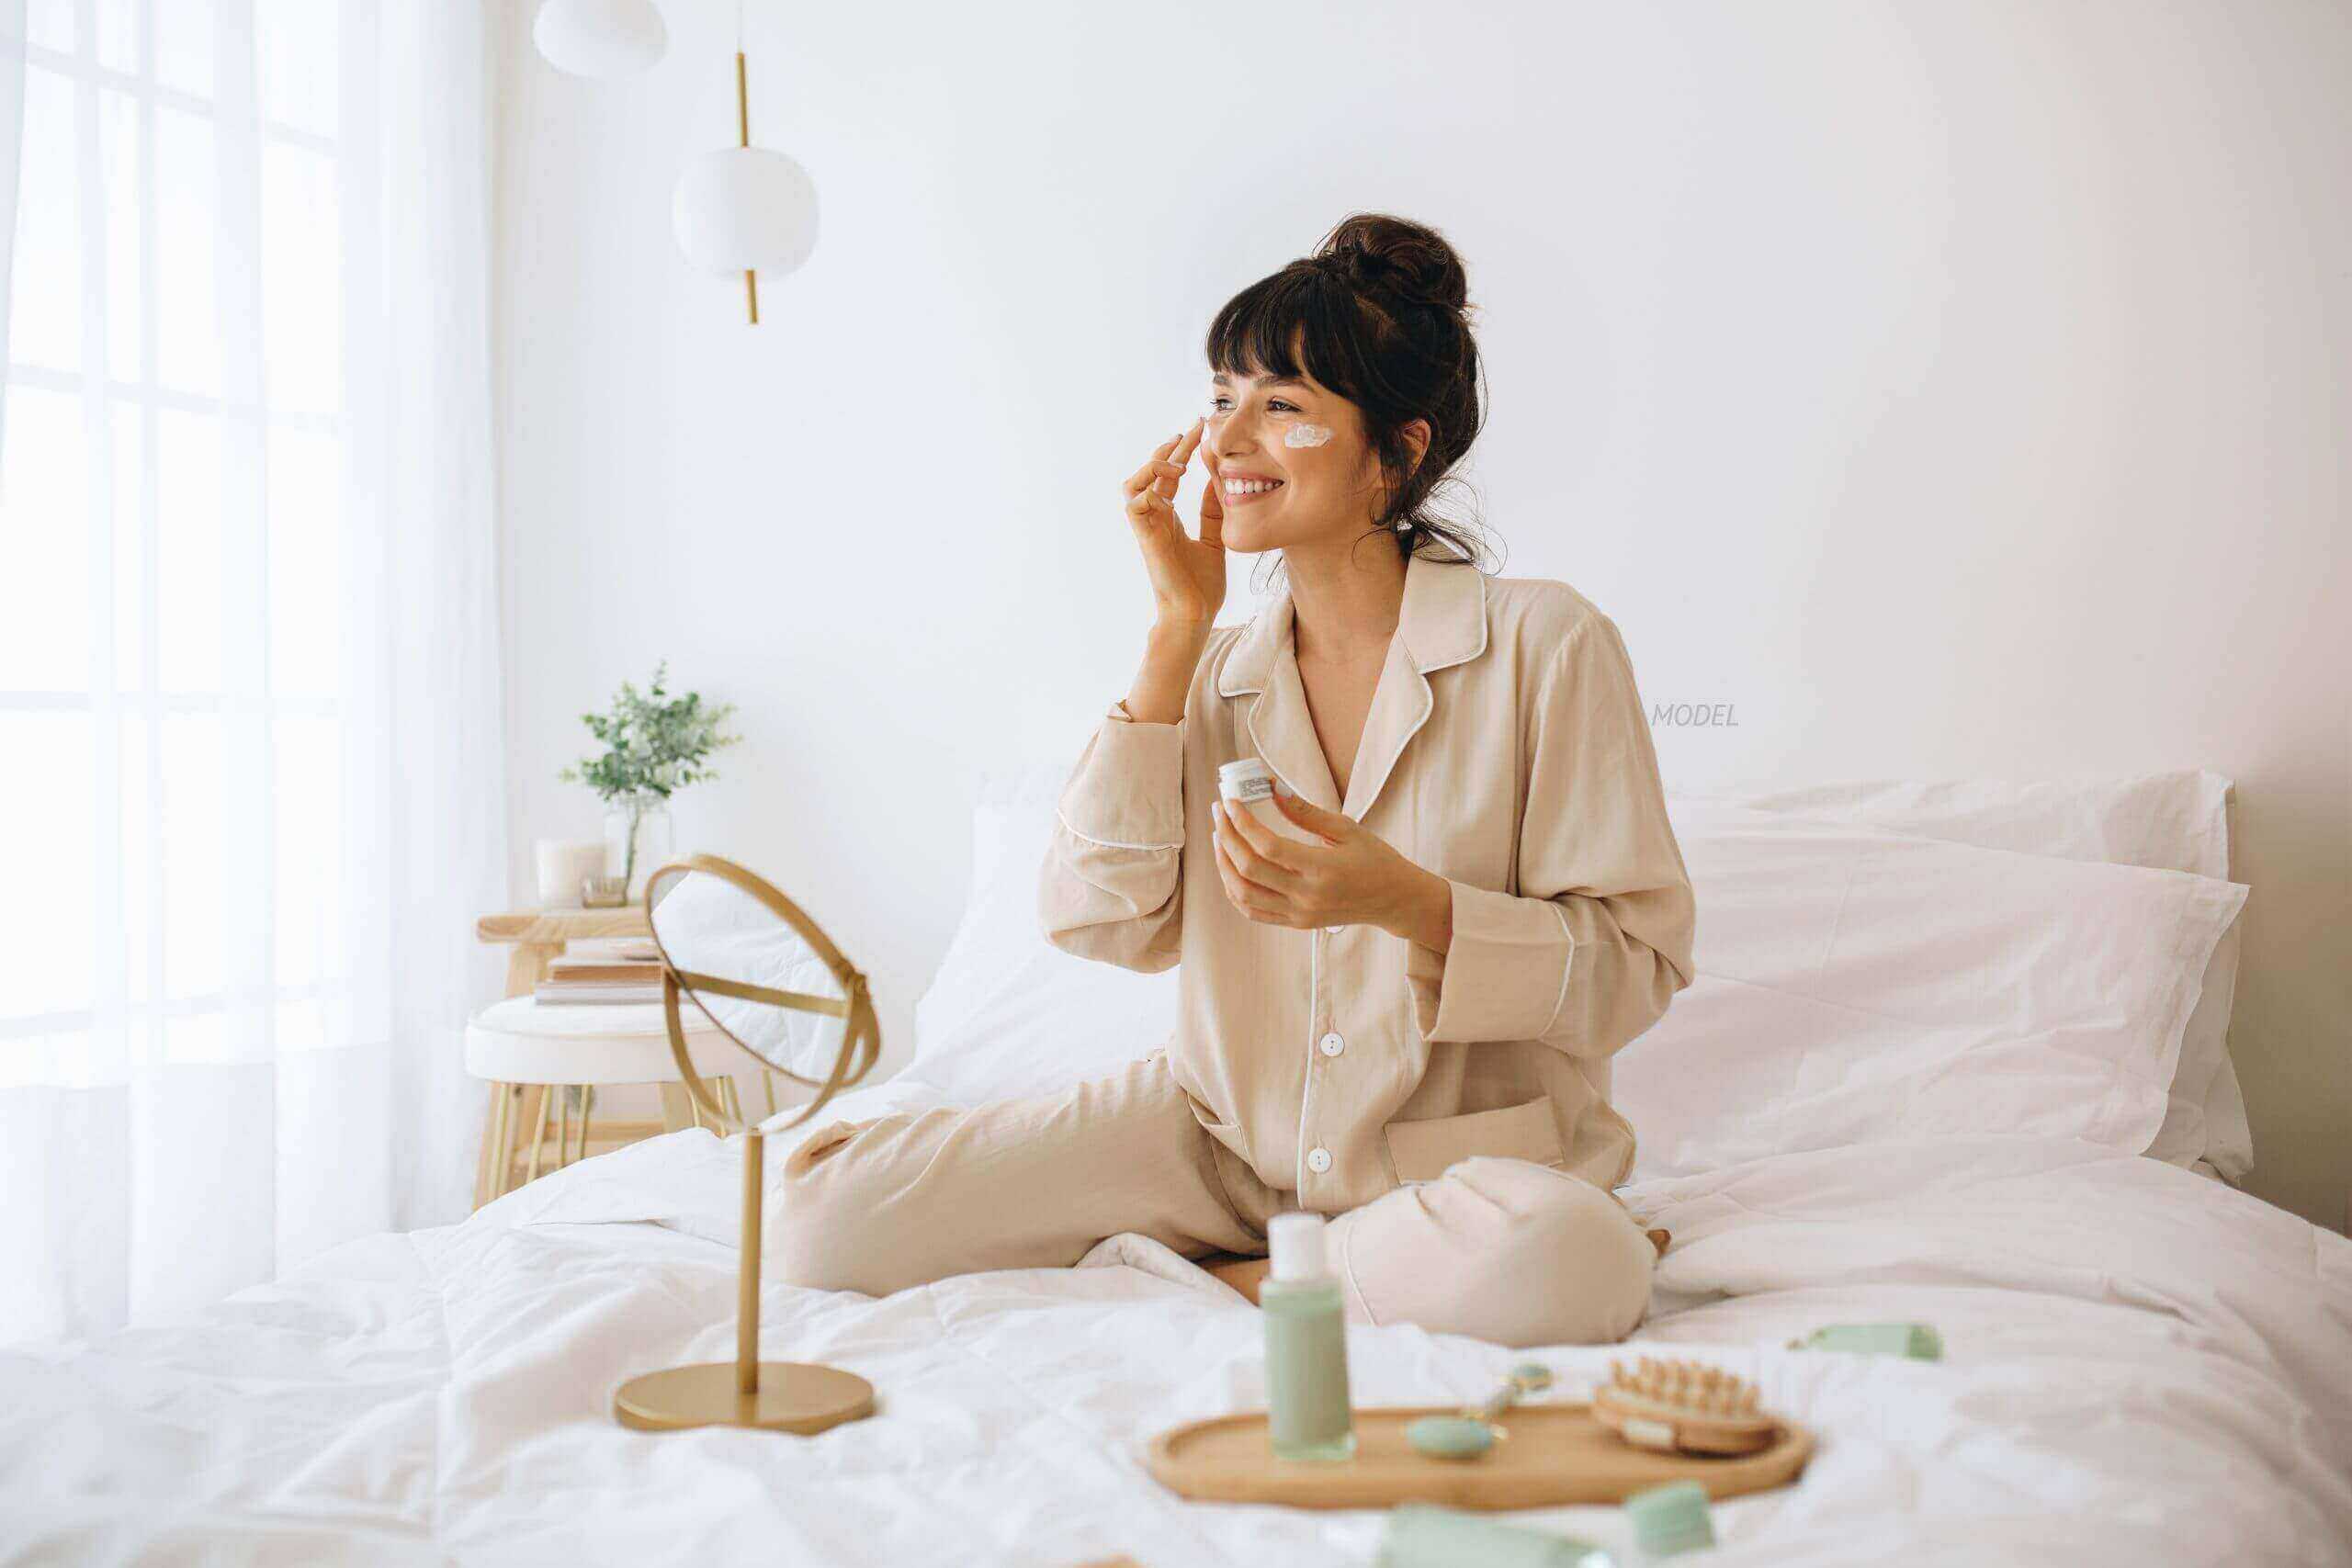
1380, 314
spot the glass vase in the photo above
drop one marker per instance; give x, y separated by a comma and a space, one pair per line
643, 827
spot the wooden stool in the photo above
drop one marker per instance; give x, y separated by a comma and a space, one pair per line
535, 937
533, 1052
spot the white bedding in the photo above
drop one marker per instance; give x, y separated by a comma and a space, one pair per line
2141, 1366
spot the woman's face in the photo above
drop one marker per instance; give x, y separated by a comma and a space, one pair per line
1290, 460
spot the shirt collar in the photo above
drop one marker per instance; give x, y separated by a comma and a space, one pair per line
1442, 621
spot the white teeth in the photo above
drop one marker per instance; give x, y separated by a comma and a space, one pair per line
1250, 487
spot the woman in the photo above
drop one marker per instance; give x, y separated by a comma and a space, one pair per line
1404, 1023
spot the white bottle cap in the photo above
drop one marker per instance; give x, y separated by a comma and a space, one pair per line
1296, 1241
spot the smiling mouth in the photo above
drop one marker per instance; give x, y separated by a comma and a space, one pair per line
1246, 491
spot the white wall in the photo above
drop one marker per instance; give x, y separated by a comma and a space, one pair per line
1948, 389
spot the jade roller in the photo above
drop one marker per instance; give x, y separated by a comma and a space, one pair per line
1475, 1430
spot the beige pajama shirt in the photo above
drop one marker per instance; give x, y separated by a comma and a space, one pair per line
1450, 1110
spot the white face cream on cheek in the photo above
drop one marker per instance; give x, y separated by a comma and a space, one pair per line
1306, 435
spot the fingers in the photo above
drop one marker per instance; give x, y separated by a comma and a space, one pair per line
1164, 470
1326, 825
1144, 503
1172, 464
1151, 488
1250, 845
1154, 471
1151, 470
1250, 900
1212, 504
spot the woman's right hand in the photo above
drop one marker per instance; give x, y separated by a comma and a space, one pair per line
1187, 573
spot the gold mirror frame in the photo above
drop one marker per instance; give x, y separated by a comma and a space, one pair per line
861, 1037
787, 1396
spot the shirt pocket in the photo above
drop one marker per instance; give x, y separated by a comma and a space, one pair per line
1422, 1150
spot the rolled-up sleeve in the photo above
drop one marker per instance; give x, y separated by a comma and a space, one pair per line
1112, 885
1594, 945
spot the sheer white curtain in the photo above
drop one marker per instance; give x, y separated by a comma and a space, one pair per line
250, 775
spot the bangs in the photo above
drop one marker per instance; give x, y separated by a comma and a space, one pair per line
1262, 330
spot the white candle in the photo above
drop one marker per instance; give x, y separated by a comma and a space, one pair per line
561, 863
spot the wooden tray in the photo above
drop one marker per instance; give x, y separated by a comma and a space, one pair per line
1556, 1453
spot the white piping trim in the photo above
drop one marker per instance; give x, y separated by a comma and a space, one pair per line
1380, 773
1109, 843
1566, 964
1250, 722
1306, 1092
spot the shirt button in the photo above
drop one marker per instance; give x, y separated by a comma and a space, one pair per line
1332, 1044
1319, 1160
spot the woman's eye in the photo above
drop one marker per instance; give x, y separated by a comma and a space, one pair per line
1278, 403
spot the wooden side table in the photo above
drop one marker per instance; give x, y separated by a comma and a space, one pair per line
536, 936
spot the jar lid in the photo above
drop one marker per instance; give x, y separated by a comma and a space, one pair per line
1242, 768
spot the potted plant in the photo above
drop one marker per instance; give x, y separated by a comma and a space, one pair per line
654, 746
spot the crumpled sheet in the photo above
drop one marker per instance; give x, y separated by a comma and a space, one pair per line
2141, 1366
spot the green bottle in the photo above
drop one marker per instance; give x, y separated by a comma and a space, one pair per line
1308, 1415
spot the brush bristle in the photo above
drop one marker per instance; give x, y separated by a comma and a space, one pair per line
1687, 1385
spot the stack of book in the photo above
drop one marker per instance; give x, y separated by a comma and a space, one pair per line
606, 971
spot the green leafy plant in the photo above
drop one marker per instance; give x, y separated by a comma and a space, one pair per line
654, 746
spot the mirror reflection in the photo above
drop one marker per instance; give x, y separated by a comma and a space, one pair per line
718, 935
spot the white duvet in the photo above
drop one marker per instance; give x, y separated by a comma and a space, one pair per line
2141, 1366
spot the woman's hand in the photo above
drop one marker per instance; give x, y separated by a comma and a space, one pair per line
1353, 878
1187, 574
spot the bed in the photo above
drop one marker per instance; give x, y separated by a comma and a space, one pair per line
1963, 1051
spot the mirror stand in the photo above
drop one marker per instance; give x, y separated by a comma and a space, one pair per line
778, 1397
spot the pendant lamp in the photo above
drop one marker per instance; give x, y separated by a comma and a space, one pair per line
600, 38
745, 209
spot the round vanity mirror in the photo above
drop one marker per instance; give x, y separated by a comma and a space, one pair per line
746, 957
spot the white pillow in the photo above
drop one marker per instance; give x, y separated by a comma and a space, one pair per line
1009, 1014
2176, 820
711, 926
1860, 985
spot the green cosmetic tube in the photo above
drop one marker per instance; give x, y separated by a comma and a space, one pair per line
1307, 1414
1422, 1535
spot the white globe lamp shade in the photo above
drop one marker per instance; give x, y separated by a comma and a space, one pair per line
745, 210
600, 38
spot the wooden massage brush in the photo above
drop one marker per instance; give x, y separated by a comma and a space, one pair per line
1683, 1407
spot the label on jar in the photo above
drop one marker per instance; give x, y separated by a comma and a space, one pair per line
1244, 790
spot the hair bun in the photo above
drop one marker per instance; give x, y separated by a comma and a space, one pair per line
1398, 257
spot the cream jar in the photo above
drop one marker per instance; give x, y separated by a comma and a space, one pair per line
1248, 785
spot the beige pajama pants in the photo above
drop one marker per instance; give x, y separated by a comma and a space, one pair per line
1500, 1250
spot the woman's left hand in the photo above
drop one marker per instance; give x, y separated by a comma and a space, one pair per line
1353, 878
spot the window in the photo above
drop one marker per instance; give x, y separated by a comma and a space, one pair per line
171, 734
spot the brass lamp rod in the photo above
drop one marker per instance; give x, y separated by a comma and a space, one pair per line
743, 139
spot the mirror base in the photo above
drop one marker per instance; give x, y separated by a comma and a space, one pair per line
794, 1396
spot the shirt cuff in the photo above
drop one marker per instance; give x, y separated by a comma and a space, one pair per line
1505, 975
1128, 790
